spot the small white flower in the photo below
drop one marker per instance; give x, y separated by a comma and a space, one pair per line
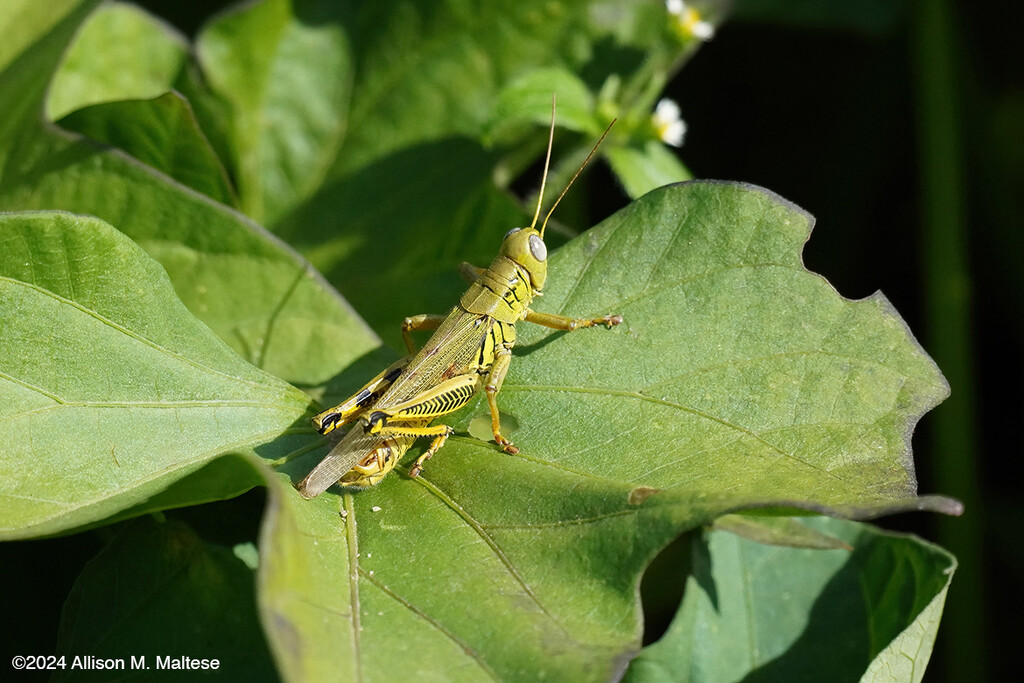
687, 21
668, 123
702, 29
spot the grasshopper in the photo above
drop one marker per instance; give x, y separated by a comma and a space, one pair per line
470, 350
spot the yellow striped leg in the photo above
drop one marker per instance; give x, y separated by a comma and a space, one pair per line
446, 397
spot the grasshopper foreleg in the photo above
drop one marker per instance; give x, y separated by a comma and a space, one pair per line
561, 322
503, 358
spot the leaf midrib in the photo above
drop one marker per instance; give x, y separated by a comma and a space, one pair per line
138, 337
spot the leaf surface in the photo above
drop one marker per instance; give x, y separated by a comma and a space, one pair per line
765, 613
122, 52
111, 389
153, 574
161, 132
281, 73
252, 290
737, 380
440, 99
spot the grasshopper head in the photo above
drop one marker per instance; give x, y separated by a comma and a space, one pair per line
526, 247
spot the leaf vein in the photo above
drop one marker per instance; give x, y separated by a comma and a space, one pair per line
495, 548
466, 647
679, 406
130, 333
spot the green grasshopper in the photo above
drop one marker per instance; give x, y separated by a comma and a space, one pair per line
470, 349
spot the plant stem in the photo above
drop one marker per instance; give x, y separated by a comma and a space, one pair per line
947, 290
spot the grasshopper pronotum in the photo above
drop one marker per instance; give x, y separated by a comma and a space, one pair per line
470, 349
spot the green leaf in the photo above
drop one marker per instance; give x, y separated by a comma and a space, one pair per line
529, 99
408, 221
284, 73
34, 39
765, 613
431, 71
161, 132
22, 23
737, 380
111, 389
740, 370
644, 167
252, 290
151, 575
122, 52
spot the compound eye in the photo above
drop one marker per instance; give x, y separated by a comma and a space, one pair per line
538, 248
511, 232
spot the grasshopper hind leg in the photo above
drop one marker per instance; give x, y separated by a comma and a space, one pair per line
344, 413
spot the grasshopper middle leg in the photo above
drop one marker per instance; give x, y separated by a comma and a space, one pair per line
502, 359
423, 321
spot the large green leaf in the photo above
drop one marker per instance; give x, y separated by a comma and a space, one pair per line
22, 24
111, 389
151, 575
282, 71
121, 53
251, 289
427, 71
644, 167
733, 359
737, 380
161, 132
765, 613
408, 220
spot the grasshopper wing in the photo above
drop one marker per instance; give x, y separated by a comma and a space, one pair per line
353, 447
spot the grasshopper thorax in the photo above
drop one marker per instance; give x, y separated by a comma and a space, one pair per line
526, 247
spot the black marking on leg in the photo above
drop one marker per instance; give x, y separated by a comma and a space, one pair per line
376, 422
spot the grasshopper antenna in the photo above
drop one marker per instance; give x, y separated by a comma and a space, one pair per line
580, 170
547, 160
